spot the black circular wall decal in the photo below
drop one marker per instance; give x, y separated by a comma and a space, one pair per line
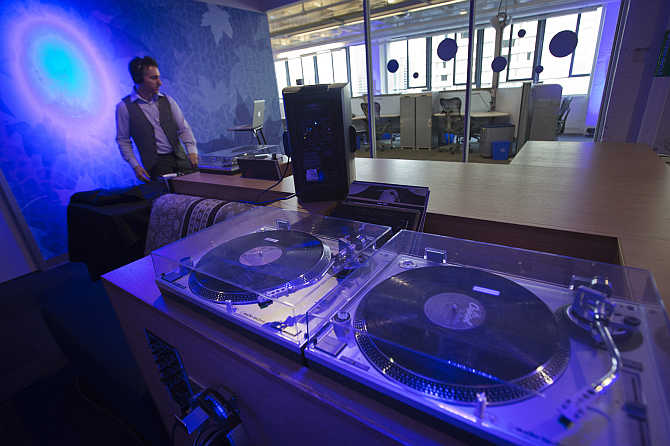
563, 43
392, 65
499, 64
446, 50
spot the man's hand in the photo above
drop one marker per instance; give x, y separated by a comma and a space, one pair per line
193, 157
141, 174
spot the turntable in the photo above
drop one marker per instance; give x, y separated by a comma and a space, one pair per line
264, 267
515, 346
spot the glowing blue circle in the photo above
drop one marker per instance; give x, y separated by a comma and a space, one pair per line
539, 69
60, 71
447, 49
392, 66
499, 64
521, 33
563, 43
60, 74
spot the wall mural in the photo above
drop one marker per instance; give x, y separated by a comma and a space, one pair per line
63, 67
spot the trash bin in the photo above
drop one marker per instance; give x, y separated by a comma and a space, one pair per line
500, 150
495, 132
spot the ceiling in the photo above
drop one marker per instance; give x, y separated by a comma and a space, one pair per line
310, 23
250, 5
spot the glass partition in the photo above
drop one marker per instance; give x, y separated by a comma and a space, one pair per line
419, 52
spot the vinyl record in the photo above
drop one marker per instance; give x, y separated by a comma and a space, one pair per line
452, 332
271, 262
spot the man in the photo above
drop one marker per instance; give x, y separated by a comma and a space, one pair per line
155, 123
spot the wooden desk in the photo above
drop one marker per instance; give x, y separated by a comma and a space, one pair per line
481, 115
281, 400
363, 118
543, 200
590, 155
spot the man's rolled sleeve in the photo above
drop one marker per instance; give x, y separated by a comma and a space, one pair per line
123, 135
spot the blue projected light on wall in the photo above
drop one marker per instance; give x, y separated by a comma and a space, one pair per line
59, 73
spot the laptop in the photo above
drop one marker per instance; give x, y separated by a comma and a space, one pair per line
259, 113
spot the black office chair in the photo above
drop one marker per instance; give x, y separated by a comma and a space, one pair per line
455, 120
563, 116
381, 129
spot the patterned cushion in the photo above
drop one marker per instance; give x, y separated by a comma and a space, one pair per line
176, 216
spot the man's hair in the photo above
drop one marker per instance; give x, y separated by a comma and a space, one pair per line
138, 65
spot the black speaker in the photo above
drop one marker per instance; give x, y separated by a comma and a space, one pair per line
318, 118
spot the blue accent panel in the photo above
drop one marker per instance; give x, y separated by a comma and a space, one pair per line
63, 68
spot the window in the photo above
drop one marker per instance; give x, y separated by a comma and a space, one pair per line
359, 84
461, 66
442, 72
308, 76
572, 72
280, 72
397, 82
416, 56
340, 65
411, 57
327, 65
294, 70
324, 63
488, 50
556, 67
521, 51
587, 40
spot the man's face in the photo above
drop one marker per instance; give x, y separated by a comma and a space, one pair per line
151, 81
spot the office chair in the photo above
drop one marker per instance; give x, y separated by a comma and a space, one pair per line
455, 120
563, 116
380, 130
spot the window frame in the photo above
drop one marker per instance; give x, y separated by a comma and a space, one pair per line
478, 55
509, 52
576, 30
572, 56
405, 87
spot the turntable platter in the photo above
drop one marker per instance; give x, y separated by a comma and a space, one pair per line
270, 262
452, 332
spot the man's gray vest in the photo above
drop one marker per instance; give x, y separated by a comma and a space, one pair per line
142, 131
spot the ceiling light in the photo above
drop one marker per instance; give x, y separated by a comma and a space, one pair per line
386, 15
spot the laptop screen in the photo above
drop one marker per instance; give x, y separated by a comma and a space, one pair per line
259, 113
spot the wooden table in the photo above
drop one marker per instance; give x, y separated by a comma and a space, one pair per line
363, 118
481, 115
571, 198
585, 195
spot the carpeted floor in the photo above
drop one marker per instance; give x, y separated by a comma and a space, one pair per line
67, 374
